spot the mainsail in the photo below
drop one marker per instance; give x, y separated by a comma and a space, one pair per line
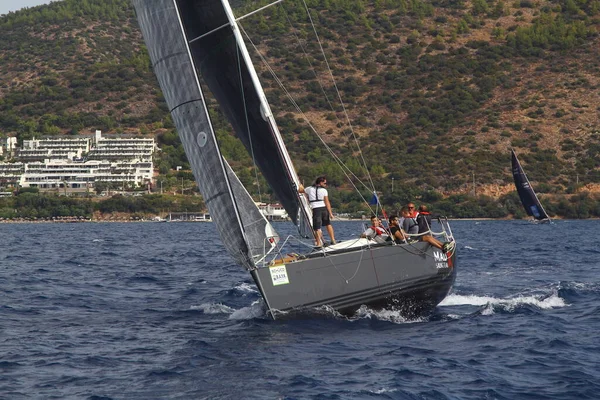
222, 59
219, 55
530, 201
244, 231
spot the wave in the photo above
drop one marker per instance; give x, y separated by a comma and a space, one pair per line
547, 298
213, 308
245, 288
388, 315
383, 391
254, 311
578, 287
542, 302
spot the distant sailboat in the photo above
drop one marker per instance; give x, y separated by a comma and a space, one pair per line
529, 199
189, 39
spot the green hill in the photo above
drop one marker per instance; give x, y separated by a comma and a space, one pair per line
436, 91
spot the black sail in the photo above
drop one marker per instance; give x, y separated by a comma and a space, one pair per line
244, 231
217, 55
530, 201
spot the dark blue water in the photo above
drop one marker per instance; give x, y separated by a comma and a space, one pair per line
159, 311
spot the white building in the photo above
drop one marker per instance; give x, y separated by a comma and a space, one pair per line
10, 173
54, 149
53, 174
8, 145
121, 148
53, 163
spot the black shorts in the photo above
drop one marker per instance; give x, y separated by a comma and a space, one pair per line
320, 217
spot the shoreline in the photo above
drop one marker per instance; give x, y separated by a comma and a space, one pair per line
79, 221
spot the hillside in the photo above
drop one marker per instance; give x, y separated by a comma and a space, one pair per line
437, 92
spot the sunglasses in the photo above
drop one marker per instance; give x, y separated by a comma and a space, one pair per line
411, 208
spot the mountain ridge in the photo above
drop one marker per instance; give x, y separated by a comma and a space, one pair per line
451, 85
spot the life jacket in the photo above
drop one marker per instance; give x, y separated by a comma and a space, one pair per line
378, 230
412, 221
316, 195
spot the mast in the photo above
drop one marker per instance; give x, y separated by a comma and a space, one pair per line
266, 111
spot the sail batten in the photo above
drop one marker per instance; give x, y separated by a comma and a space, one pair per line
208, 33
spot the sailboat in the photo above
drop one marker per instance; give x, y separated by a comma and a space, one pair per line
529, 199
194, 41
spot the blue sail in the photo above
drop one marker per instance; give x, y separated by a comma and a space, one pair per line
530, 201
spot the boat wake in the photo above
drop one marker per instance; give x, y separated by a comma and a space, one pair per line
546, 298
255, 311
213, 308
393, 316
489, 304
245, 288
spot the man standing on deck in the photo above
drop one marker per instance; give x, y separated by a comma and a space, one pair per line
319, 203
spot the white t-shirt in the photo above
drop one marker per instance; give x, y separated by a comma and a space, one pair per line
317, 193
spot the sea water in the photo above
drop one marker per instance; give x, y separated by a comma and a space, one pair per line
160, 311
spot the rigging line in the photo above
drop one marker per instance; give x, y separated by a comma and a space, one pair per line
248, 123
323, 88
258, 10
339, 96
416, 252
229, 24
355, 272
306, 56
295, 104
345, 169
308, 59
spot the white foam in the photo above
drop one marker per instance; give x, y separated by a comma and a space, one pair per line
386, 315
544, 303
488, 310
213, 308
473, 300
246, 288
382, 391
255, 310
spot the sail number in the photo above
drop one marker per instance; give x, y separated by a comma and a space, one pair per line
279, 275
